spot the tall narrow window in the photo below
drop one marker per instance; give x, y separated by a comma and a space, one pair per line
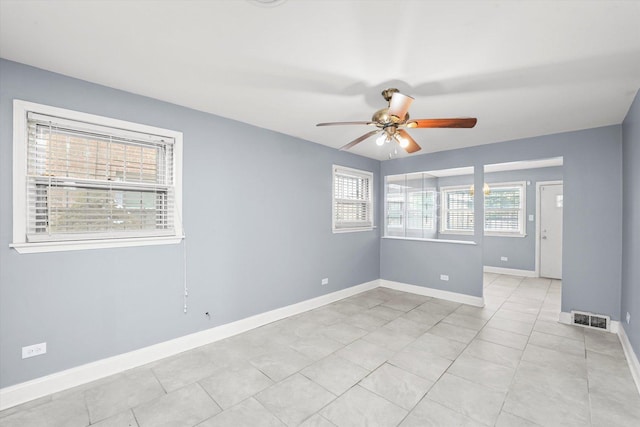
457, 210
504, 209
92, 179
352, 199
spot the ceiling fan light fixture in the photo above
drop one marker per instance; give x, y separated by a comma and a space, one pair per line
381, 140
403, 142
399, 105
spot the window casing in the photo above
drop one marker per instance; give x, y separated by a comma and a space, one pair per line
352, 199
505, 209
84, 181
457, 210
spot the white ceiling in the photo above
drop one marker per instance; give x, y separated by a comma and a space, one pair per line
523, 68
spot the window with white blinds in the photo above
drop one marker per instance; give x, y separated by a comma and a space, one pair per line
352, 199
504, 209
457, 210
89, 179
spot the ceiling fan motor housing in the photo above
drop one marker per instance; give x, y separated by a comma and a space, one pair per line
382, 118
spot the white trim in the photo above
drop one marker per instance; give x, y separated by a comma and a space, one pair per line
500, 234
352, 230
436, 293
444, 208
510, 271
344, 170
43, 386
565, 318
80, 245
442, 173
19, 243
522, 225
420, 239
524, 164
632, 358
538, 184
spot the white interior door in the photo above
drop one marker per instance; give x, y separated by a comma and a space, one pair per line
551, 206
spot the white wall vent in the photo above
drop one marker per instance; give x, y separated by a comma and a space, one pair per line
590, 320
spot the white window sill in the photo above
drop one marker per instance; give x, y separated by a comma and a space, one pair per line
78, 245
460, 233
458, 242
504, 235
352, 230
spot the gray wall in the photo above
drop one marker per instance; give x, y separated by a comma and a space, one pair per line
422, 262
260, 236
592, 234
520, 251
631, 224
257, 215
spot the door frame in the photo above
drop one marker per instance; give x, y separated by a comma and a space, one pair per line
538, 209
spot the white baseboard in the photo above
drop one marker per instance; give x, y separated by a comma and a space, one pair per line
565, 318
431, 292
509, 271
632, 358
43, 386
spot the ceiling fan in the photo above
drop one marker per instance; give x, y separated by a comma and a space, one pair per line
392, 121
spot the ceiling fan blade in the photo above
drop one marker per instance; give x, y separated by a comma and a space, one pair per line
345, 123
412, 146
443, 123
399, 105
359, 139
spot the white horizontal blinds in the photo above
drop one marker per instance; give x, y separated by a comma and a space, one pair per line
90, 182
352, 199
459, 209
503, 209
421, 210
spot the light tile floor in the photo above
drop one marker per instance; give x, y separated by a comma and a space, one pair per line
380, 358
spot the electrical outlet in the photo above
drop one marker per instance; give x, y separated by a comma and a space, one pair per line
444, 277
325, 281
34, 350
628, 318
504, 258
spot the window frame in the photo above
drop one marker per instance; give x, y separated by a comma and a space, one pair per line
444, 208
522, 223
20, 204
349, 227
